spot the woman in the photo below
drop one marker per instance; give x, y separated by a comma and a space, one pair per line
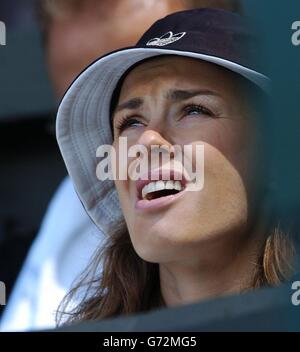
191, 80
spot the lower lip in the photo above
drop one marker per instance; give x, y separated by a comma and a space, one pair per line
158, 203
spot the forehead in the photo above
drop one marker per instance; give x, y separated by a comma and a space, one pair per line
180, 72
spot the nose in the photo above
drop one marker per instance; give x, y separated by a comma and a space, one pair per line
153, 138
158, 148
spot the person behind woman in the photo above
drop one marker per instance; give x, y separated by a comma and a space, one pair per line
192, 79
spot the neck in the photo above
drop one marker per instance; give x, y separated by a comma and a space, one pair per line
213, 274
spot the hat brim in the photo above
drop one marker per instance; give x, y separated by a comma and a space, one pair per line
83, 124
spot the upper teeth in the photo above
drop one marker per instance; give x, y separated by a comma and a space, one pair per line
159, 186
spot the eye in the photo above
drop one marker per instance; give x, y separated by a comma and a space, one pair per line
127, 122
193, 110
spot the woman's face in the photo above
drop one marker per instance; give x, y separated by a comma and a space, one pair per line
181, 101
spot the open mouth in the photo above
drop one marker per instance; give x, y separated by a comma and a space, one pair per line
163, 186
159, 189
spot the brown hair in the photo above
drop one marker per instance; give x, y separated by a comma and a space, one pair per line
128, 284
277, 259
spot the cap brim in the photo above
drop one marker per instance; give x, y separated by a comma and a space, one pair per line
83, 124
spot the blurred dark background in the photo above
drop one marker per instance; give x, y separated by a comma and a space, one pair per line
31, 166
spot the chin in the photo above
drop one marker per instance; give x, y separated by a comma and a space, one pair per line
155, 255
164, 242
158, 245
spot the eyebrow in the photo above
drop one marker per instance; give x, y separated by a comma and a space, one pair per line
177, 95
174, 95
130, 104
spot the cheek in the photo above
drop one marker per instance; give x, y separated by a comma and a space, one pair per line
225, 190
123, 185
124, 198
222, 204
229, 148
221, 171
235, 141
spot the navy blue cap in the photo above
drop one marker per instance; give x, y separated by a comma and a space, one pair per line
212, 32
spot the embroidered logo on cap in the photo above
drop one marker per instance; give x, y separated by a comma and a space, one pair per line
166, 39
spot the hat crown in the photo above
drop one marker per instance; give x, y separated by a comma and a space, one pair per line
214, 32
